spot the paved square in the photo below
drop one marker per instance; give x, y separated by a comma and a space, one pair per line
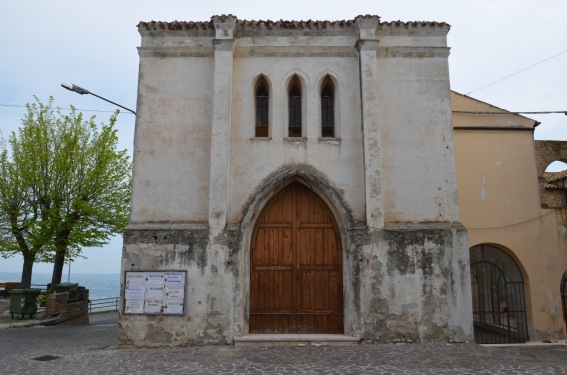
92, 350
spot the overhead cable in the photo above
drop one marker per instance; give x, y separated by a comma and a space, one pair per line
65, 109
513, 74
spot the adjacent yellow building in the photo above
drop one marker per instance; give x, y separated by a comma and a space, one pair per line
516, 227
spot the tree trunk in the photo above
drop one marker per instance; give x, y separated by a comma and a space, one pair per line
58, 266
27, 271
61, 243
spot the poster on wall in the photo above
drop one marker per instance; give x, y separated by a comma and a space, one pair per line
154, 292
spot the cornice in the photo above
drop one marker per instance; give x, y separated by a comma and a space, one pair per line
294, 51
253, 25
176, 51
413, 52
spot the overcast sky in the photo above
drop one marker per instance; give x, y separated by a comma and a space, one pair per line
93, 44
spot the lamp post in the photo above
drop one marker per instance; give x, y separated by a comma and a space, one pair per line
82, 91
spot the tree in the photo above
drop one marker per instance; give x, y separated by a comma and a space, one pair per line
65, 186
20, 227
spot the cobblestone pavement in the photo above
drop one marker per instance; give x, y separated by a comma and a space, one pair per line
92, 350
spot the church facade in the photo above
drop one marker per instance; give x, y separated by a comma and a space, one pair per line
294, 177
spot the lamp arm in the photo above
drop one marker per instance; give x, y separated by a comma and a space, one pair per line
110, 101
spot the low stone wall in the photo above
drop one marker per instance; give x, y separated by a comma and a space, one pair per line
57, 305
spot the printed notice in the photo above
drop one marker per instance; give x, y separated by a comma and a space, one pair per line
154, 292
154, 278
134, 306
135, 292
174, 292
135, 278
177, 278
154, 306
174, 306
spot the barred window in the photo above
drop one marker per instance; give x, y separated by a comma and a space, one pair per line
327, 112
262, 111
294, 111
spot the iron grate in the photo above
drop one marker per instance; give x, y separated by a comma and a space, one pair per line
47, 357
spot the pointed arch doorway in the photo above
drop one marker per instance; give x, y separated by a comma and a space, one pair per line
296, 283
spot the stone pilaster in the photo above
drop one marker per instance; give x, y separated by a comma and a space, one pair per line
367, 45
220, 137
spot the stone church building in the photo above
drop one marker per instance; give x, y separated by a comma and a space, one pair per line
294, 177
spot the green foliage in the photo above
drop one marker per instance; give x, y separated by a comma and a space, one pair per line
64, 185
43, 298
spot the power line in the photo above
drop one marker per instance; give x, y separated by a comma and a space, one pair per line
464, 226
513, 74
510, 113
513, 224
65, 109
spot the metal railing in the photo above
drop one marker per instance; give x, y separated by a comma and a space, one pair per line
104, 304
42, 287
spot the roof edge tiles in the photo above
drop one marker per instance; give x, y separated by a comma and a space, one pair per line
281, 24
410, 24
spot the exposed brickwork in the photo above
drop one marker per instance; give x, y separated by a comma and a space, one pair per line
57, 305
546, 153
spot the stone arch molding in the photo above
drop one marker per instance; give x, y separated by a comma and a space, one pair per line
256, 81
306, 175
257, 78
337, 89
310, 92
267, 189
334, 77
301, 76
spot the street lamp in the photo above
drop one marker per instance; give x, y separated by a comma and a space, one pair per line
82, 91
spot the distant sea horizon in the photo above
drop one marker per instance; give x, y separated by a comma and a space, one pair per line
100, 285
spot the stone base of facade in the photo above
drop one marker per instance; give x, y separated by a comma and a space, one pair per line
406, 283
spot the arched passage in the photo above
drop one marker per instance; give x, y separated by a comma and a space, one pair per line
499, 306
296, 283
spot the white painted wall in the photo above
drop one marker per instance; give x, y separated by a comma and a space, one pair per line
253, 159
172, 141
418, 165
198, 165
174, 125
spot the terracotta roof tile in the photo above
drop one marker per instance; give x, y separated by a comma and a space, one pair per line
414, 24
555, 180
281, 24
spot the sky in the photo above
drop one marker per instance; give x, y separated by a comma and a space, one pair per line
509, 53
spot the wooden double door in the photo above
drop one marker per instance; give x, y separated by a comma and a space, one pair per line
296, 283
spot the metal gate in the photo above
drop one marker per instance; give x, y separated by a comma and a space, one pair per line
499, 306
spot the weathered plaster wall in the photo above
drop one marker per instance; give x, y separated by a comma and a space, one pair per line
418, 171
497, 177
201, 178
172, 139
175, 247
416, 285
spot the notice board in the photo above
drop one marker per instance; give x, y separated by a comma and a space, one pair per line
154, 292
